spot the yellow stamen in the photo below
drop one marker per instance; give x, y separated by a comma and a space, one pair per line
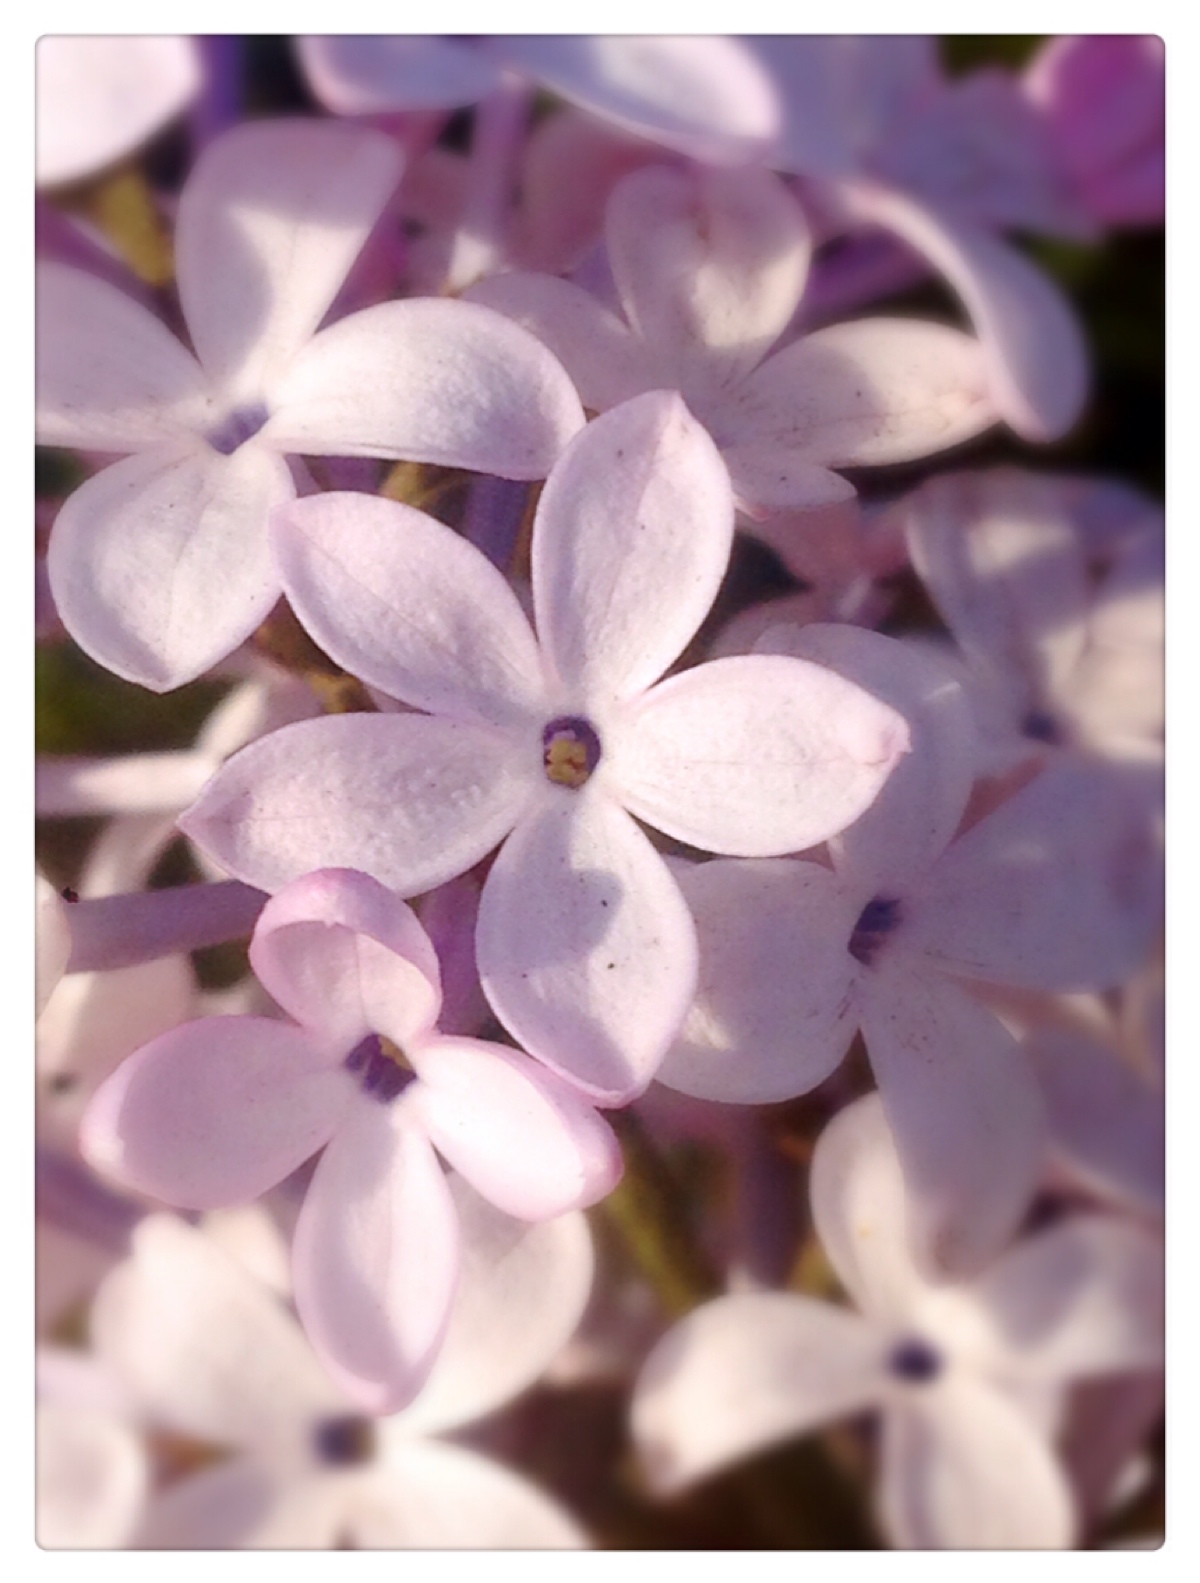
566, 760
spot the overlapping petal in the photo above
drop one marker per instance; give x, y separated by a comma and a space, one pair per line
243, 1505
92, 1479
369, 74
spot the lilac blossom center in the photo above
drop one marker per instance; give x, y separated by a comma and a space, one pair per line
238, 426
915, 1361
344, 1441
876, 921
380, 1068
570, 751
1041, 726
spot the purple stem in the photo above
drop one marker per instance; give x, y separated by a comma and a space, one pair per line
120, 931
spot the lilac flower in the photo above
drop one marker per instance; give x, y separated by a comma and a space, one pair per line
710, 266
205, 1349
160, 564
585, 946
961, 1374
93, 1472
217, 1111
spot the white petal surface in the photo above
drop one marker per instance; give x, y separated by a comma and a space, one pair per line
92, 1479
244, 1504
410, 607
772, 1015
368, 74
964, 1107
215, 1112
270, 220
745, 1372
346, 957
375, 1257
110, 376
521, 1293
865, 393
640, 502
587, 951
160, 564
768, 476
530, 1143
409, 799
963, 1469
430, 380
754, 755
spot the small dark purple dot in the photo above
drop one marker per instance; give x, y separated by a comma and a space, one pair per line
242, 424
876, 921
1042, 726
344, 1442
916, 1361
380, 1075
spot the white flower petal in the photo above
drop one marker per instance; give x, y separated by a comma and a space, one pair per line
92, 1479
367, 74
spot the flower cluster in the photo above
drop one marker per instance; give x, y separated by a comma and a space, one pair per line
614, 722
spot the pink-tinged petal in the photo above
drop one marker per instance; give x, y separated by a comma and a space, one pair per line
402, 601
1107, 1124
1059, 888
963, 1469
745, 1372
706, 97
768, 477
53, 940
965, 1109
161, 566
110, 376
375, 1257
346, 957
587, 951
918, 810
427, 1496
522, 1291
270, 221
204, 1349
245, 1504
754, 756
372, 74
864, 394
528, 1142
641, 501
450, 913
772, 1014
100, 97
1083, 1297
409, 799
92, 1477
710, 265
1036, 360
215, 1112
861, 1214
430, 380
606, 362
134, 783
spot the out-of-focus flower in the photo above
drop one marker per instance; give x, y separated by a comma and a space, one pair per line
160, 564
961, 1373
586, 950
93, 1474
215, 1112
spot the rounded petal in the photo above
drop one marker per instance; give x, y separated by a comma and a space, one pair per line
375, 1257
214, 1112
864, 394
640, 502
206, 1350
430, 380
409, 799
772, 1014
160, 564
410, 607
746, 1372
963, 1469
270, 220
919, 808
244, 1504
345, 957
110, 376
367, 74
965, 1110
527, 1141
439, 1497
706, 97
754, 755
769, 476
522, 1291
92, 1479
587, 951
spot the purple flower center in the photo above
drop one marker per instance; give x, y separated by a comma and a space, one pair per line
1042, 726
343, 1442
875, 922
380, 1067
570, 750
238, 426
916, 1361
